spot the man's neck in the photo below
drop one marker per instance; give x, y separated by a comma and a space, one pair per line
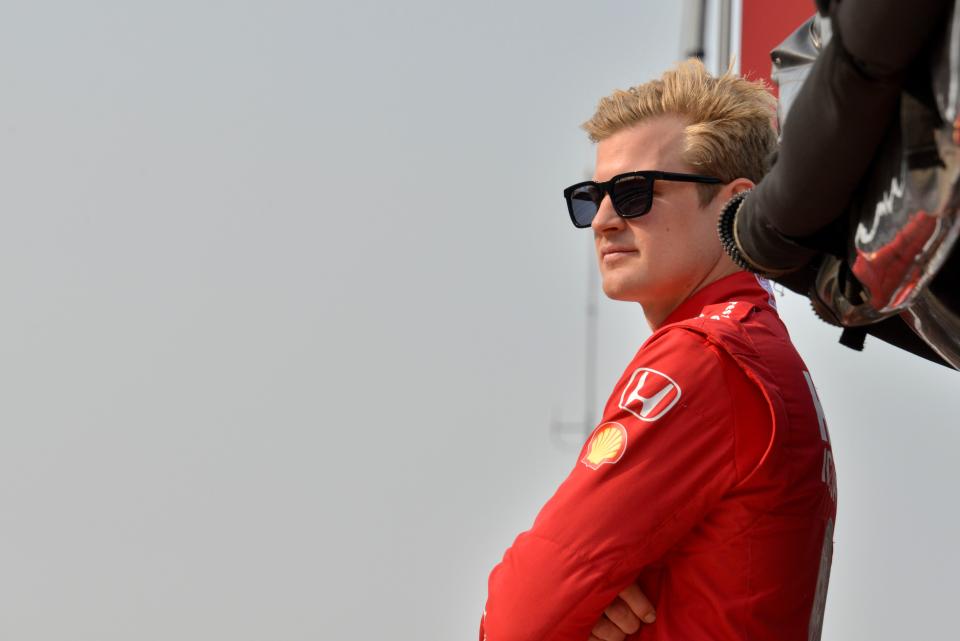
657, 314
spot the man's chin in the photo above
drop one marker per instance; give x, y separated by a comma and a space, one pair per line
619, 291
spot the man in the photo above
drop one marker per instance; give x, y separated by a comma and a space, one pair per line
708, 484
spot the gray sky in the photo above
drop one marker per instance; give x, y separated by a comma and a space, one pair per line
290, 301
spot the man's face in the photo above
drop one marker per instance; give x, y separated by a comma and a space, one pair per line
662, 257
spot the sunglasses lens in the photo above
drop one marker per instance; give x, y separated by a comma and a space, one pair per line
584, 202
632, 195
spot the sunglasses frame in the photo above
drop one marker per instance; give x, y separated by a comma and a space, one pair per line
651, 175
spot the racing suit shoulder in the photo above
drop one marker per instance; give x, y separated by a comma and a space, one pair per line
751, 417
757, 340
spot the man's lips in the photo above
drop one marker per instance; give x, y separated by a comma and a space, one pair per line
614, 252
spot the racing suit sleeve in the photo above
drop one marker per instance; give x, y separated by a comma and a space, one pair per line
664, 454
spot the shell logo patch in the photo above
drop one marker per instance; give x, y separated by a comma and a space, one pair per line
649, 394
607, 445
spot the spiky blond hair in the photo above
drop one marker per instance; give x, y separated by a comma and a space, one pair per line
730, 130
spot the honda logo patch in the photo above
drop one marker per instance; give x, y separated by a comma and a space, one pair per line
649, 394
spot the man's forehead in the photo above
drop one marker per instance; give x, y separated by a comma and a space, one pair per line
657, 143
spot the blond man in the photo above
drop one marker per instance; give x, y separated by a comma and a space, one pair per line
708, 484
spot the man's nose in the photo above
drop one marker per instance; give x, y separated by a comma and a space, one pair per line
606, 218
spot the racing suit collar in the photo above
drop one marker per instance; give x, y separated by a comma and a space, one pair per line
741, 286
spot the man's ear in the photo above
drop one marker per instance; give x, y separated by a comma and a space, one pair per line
728, 191
736, 186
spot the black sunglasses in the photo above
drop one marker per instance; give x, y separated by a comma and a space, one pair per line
630, 193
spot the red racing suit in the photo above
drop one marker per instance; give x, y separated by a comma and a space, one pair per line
709, 482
